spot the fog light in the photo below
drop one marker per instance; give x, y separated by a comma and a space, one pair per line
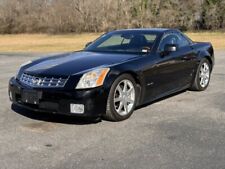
77, 108
10, 95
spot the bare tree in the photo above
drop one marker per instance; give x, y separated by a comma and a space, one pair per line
57, 16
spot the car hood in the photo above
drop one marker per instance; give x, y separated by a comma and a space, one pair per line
77, 62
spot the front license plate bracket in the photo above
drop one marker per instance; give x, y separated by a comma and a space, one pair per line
31, 96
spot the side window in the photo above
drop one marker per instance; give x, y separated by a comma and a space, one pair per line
168, 39
182, 41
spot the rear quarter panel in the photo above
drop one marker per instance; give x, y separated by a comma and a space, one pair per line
204, 50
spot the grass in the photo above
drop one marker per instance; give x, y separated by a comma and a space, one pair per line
72, 42
216, 38
44, 42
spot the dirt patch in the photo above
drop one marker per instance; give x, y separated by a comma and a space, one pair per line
39, 127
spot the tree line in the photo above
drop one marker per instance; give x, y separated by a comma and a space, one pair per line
66, 16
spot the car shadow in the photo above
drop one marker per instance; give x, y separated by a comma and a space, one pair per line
55, 118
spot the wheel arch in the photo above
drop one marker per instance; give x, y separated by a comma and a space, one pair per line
210, 61
206, 55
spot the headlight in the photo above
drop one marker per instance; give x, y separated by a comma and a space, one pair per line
93, 79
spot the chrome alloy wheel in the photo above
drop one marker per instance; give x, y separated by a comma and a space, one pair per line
124, 97
204, 75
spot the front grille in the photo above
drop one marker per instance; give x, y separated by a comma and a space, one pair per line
45, 82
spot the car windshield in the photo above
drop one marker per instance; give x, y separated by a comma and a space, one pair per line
137, 42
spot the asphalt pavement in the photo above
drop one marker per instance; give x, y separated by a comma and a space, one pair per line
184, 131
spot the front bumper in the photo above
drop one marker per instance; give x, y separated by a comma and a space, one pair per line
58, 100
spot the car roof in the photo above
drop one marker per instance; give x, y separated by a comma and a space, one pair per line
152, 30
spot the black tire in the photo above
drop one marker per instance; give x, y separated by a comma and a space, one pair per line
111, 113
196, 86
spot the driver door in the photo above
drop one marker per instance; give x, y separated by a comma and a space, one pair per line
172, 70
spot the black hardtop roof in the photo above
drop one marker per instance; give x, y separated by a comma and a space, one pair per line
153, 30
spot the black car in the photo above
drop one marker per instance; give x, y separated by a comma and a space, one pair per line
114, 74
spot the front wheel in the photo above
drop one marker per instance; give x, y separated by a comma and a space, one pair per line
202, 76
122, 98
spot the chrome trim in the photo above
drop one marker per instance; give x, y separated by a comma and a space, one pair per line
43, 82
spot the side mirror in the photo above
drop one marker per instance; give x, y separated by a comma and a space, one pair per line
170, 48
145, 50
88, 44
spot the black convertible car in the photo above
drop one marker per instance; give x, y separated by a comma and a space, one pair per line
114, 74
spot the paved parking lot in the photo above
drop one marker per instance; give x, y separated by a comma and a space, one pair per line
186, 131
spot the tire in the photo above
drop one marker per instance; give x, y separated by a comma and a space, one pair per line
197, 83
113, 108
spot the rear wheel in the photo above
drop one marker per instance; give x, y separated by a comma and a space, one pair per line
202, 76
122, 98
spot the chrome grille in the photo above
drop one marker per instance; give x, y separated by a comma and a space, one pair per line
44, 82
